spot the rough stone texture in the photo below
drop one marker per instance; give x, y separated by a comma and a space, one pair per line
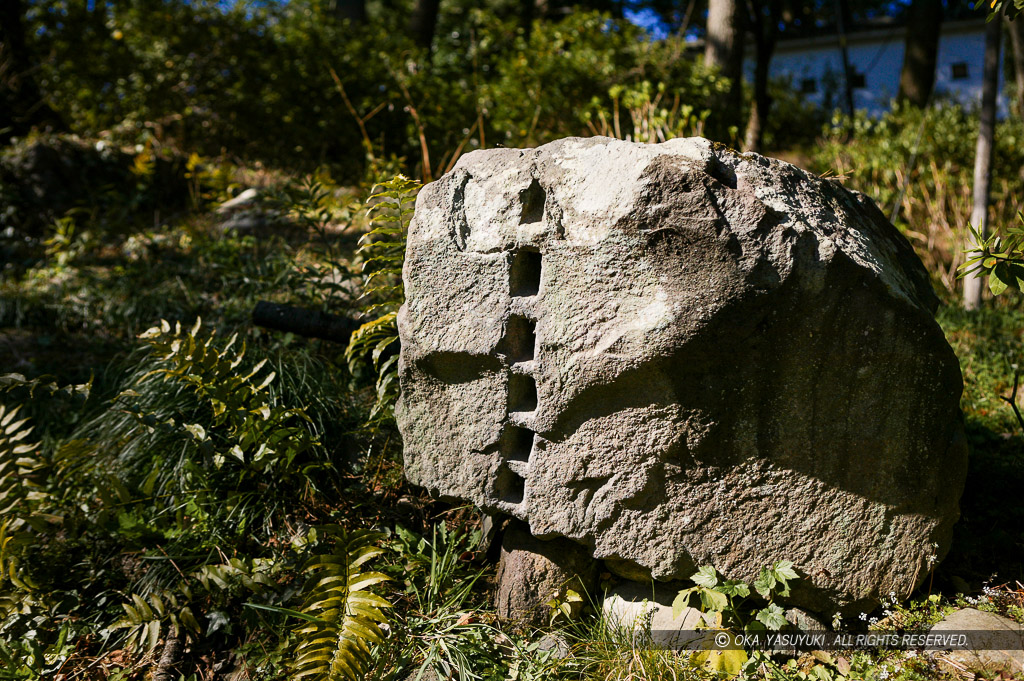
805, 621
646, 609
1000, 641
678, 355
532, 571
553, 644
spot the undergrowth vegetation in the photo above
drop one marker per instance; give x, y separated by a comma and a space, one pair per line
204, 495
917, 165
185, 495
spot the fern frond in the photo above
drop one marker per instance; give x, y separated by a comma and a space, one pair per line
383, 249
145, 617
22, 475
344, 618
258, 431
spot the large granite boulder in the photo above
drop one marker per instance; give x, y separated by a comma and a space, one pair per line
679, 355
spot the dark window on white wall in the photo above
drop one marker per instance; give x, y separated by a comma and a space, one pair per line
960, 71
808, 86
858, 80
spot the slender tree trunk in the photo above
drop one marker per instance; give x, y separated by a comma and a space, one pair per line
842, 21
983, 153
424, 22
724, 50
764, 20
527, 11
920, 50
1017, 41
21, 104
352, 10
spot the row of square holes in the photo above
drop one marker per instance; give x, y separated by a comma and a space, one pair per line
517, 442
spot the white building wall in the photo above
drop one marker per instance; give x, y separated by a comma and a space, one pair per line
880, 59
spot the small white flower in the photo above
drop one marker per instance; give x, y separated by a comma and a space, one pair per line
884, 674
863, 617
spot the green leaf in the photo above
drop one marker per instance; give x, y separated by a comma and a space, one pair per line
152, 634
773, 617
784, 570
705, 576
133, 614
996, 283
682, 601
764, 583
734, 587
713, 599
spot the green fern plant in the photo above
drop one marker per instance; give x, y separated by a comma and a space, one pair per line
20, 488
160, 612
314, 207
343, 616
260, 433
197, 452
19, 470
169, 613
19, 485
383, 248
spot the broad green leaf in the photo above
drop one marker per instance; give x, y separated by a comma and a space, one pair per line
705, 576
682, 602
784, 570
773, 617
714, 600
734, 587
996, 284
764, 583
152, 634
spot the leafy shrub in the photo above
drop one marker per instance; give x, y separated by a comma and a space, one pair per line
915, 163
44, 178
211, 78
577, 70
733, 607
182, 499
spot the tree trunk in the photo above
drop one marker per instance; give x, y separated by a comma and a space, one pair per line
983, 153
920, 49
424, 22
842, 21
527, 10
724, 50
303, 322
21, 104
170, 656
351, 10
764, 19
1017, 41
